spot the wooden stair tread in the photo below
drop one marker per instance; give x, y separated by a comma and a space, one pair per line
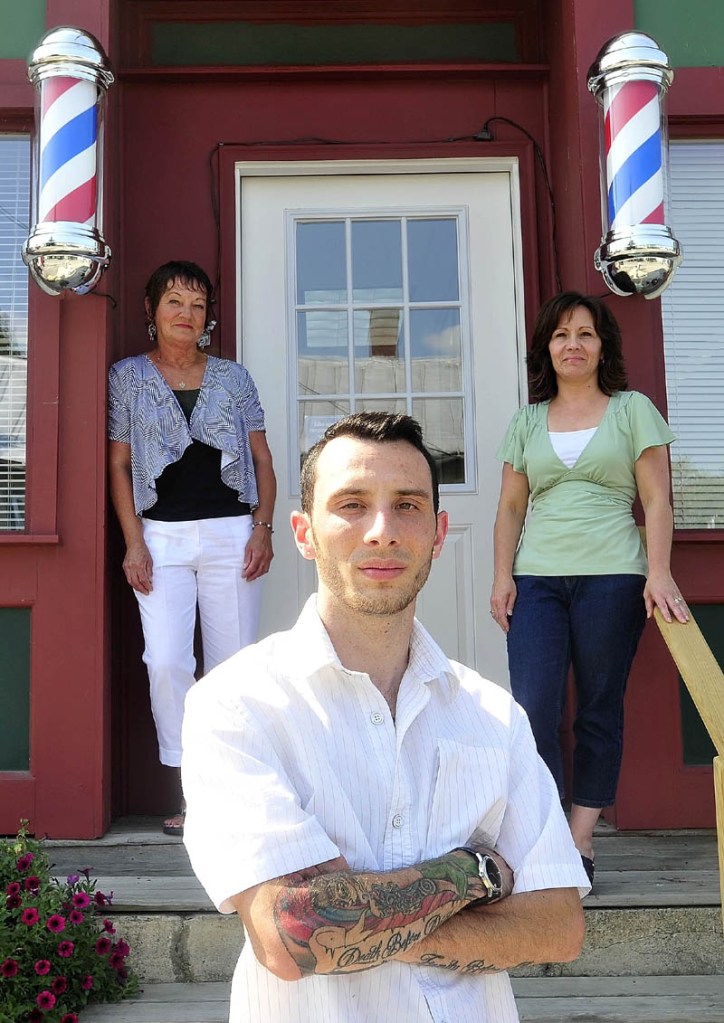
692, 999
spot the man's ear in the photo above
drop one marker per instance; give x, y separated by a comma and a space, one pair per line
440, 534
302, 529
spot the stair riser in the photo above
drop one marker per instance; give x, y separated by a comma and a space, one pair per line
204, 947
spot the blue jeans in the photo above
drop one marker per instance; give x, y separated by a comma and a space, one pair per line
592, 623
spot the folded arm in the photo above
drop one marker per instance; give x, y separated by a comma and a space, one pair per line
531, 927
341, 921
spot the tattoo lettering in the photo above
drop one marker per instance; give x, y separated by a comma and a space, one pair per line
341, 923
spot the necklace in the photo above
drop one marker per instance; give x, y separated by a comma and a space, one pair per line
180, 385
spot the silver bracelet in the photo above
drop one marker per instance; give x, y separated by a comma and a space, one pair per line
267, 524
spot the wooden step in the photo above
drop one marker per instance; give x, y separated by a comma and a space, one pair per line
692, 999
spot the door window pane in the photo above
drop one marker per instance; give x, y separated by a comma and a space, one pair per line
14, 214
381, 324
435, 350
433, 260
443, 428
321, 275
376, 261
379, 358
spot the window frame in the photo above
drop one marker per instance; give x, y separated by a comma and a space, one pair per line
42, 426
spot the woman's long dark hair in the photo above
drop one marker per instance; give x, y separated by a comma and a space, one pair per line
542, 383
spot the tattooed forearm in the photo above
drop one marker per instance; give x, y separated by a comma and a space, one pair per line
344, 922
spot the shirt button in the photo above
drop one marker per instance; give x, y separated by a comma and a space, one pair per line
397, 820
376, 718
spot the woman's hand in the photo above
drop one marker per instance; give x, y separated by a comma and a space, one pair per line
258, 554
661, 591
138, 566
502, 600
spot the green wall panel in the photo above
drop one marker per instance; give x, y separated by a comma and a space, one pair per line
698, 747
178, 44
14, 689
690, 31
22, 23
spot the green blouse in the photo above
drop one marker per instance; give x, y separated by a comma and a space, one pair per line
580, 520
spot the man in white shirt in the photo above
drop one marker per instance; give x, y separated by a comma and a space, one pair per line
376, 814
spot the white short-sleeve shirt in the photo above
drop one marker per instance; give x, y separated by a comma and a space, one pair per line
290, 759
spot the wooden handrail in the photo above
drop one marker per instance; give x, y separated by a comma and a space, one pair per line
705, 681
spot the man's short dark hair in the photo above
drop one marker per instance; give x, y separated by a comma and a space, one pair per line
380, 427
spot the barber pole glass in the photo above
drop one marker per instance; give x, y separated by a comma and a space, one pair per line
66, 249
638, 252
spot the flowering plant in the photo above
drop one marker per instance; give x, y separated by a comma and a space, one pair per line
57, 953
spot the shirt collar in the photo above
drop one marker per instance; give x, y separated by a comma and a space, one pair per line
312, 650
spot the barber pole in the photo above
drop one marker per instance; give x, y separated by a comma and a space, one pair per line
67, 165
66, 249
638, 252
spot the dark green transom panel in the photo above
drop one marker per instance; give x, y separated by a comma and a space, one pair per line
690, 31
22, 23
175, 44
698, 747
14, 689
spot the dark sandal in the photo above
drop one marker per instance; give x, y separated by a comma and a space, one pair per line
589, 867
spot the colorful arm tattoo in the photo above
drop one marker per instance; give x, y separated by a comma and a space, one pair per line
345, 922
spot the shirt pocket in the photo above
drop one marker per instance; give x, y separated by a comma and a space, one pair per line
469, 796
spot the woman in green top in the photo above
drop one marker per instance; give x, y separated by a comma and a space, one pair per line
577, 588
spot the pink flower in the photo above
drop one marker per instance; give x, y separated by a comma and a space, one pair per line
32, 883
56, 923
75, 916
13, 901
24, 862
45, 1000
30, 916
87, 983
103, 900
116, 960
103, 946
65, 949
59, 986
80, 900
13, 888
9, 968
108, 927
42, 967
122, 947
70, 1017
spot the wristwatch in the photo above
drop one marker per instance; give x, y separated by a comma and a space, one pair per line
489, 873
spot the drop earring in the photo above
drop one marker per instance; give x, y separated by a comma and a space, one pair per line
151, 328
205, 340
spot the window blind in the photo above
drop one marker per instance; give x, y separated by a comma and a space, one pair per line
693, 320
14, 214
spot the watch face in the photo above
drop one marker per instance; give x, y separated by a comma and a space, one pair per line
493, 872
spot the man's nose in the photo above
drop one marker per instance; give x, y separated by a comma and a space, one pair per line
381, 529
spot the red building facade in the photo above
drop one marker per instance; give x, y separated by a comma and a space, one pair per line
204, 91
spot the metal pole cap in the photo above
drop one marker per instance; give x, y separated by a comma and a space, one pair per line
72, 52
629, 55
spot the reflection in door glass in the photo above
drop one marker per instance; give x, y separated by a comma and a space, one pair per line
443, 427
314, 418
435, 350
381, 324
376, 261
379, 358
321, 274
432, 247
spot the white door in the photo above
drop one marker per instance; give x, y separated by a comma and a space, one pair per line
397, 289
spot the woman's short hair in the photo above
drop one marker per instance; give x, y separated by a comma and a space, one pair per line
185, 272
542, 383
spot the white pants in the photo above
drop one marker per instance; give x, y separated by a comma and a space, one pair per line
196, 562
